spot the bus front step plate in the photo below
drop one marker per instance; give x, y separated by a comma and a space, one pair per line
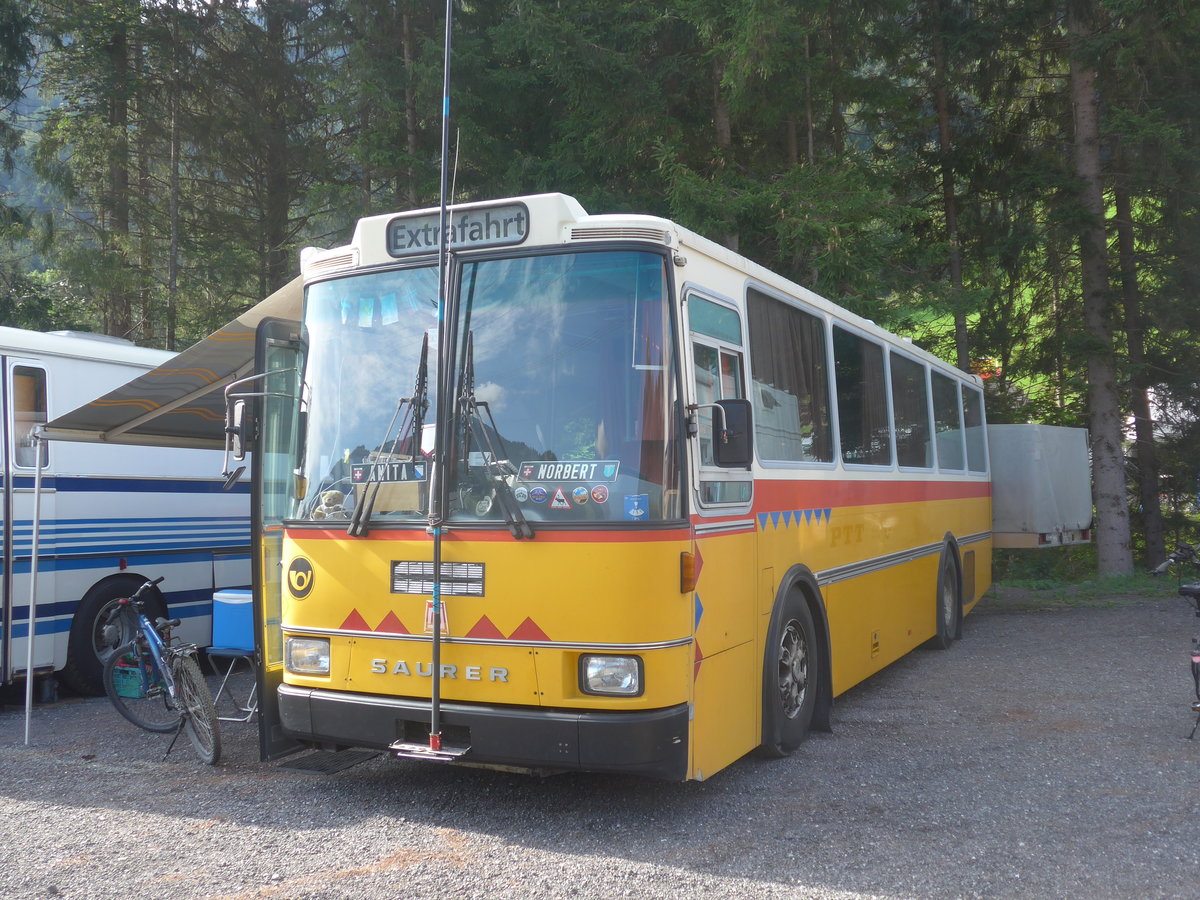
415, 750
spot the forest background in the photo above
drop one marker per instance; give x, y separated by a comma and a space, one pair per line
1011, 183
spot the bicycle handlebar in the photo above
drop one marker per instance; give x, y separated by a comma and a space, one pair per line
149, 584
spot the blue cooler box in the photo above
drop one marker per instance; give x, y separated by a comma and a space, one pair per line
233, 619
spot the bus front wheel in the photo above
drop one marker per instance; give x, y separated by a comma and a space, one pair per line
791, 668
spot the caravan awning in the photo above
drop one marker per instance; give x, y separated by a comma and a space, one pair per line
181, 403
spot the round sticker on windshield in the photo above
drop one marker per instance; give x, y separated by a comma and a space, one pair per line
600, 493
580, 495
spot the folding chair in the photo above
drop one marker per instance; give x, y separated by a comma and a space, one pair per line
233, 643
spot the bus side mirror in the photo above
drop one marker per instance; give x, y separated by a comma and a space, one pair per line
733, 435
235, 430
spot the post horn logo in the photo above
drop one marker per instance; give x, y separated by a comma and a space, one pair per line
300, 577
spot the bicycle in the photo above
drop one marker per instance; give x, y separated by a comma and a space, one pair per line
156, 685
1186, 553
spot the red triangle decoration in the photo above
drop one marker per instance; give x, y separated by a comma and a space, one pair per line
391, 624
528, 631
485, 629
699, 658
355, 622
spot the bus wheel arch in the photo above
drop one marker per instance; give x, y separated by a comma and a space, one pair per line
799, 626
949, 610
84, 667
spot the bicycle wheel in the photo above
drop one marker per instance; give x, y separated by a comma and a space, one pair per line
135, 687
200, 721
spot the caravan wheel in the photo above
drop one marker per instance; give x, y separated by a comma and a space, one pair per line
89, 646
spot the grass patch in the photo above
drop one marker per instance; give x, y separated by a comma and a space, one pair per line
1058, 577
1094, 593
1045, 567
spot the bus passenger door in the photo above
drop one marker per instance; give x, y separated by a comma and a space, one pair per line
728, 669
278, 353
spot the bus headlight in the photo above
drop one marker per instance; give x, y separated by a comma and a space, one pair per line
307, 656
620, 675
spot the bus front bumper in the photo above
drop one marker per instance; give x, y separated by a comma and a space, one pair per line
643, 742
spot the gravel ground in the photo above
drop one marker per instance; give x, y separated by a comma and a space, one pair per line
1042, 757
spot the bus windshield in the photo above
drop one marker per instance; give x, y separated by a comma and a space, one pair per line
564, 392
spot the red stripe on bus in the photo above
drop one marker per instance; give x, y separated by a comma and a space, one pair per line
770, 496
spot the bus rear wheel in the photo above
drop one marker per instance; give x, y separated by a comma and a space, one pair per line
791, 667
949, 607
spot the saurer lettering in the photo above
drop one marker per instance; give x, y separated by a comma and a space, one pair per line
425, 670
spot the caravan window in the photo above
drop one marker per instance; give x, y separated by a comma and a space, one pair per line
29, 411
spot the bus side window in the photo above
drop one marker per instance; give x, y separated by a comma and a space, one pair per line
972, 401
790, 381
947, 421
862, 400
910, 412
28, 411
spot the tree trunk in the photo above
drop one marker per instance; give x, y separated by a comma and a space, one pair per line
173, 213
143, 200
809, 128
723, 131
119, 319
1114, 555
366, 181
277, 202
410, 112
941, 98
173, 186
1143, 418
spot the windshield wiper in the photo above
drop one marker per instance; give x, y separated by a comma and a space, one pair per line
411, 424
499, 470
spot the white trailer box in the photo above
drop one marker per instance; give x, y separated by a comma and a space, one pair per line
1041, 485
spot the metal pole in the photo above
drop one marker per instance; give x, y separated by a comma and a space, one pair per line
445, 404
33, 580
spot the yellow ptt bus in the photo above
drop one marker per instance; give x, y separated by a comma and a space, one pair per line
685, 503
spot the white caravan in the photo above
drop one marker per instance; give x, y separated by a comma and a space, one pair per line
111, 516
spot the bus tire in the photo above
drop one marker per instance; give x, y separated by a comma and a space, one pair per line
791, 673
87, 650
949, 605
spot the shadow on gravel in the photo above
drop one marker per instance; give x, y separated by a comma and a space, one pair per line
1040, 757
